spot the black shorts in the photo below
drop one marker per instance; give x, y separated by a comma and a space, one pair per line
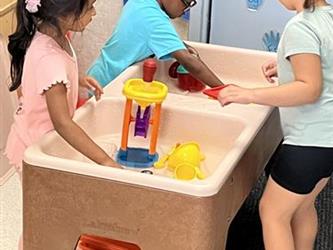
299, 168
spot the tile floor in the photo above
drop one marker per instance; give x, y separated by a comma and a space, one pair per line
10, 213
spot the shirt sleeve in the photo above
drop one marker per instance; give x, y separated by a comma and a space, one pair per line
51, 70
101, 69
163, 38
299, 38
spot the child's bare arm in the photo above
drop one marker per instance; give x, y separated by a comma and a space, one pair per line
69, 130
197, 68
192, 50
305, 89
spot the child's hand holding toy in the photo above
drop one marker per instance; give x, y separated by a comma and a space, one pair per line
230, 93
235, 94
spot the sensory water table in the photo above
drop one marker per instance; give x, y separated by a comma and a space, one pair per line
66, 195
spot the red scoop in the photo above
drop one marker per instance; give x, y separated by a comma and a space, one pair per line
92, 242
214, 92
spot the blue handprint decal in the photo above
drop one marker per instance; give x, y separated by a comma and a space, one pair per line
271, 40
253, 5
186, 16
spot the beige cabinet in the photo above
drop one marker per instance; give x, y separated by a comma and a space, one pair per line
7, 17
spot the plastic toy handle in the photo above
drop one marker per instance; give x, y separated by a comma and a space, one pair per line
200, 174
173, 69
160, 164
214, 92
149, 69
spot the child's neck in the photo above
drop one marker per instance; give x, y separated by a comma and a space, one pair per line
59, 38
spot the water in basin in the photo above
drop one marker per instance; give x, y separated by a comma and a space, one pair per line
216, 134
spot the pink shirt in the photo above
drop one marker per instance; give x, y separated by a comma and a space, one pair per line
46, 64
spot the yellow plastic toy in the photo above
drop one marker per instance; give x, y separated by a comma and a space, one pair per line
145, 92
184, 160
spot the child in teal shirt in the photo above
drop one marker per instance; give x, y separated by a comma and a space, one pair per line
144, 30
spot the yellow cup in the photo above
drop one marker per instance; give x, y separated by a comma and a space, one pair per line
185, 161
187, 171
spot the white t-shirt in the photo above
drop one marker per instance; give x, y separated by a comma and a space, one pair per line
309, 32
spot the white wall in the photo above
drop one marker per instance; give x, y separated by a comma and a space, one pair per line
7, 107
88, 43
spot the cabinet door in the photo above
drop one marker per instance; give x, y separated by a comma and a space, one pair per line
7, 17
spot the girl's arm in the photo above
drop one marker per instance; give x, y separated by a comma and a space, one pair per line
197, 68
69, 130
306, 88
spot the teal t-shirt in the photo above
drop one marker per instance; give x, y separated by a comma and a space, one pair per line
309, 32
143, 30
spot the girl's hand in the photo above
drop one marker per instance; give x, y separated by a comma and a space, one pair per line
112, 163
235, 94
92, 85
269, 69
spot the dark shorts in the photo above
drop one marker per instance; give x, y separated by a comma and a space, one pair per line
299, 168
